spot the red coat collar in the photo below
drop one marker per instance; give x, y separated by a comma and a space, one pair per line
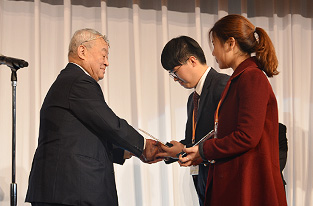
250, 62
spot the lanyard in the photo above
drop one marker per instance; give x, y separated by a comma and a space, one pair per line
219, 105
216, 118
194, 125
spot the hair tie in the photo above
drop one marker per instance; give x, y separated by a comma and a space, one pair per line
256, 35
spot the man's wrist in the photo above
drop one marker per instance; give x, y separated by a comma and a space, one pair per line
127, 154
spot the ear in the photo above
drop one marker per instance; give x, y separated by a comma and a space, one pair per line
194, 61
231, 42
81, 52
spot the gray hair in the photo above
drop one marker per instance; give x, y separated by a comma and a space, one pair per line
82, 36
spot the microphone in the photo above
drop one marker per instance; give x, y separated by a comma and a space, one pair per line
13, 62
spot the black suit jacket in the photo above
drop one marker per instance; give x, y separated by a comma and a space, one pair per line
283, 148
211, 93
73, 163
210, 96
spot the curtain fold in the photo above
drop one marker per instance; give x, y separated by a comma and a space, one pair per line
139, 90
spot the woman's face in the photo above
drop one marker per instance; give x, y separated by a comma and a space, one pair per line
220, 53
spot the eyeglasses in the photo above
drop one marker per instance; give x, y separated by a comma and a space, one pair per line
173, 73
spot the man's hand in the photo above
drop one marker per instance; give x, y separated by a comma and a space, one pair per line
149, 154
170, 151
193, 157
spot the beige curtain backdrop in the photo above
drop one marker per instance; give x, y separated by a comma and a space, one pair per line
139, 90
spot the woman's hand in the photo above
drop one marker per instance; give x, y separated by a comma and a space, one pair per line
192, 158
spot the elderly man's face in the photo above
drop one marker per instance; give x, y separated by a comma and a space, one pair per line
97, 58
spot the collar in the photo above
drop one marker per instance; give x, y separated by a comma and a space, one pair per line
81, 68
200, 84
250, 62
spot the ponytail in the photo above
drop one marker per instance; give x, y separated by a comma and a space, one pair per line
265, 52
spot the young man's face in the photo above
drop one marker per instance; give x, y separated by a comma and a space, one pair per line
184, 74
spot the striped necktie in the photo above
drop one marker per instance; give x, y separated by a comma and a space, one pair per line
195, 115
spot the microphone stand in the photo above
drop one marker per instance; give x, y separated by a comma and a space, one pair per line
14, 65
13, 186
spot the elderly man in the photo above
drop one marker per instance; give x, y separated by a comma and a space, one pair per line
73, 164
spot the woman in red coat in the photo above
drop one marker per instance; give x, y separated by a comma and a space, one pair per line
245, 151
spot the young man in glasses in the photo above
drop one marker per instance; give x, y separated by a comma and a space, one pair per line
184, 59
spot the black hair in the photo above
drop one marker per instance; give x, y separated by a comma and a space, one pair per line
178, 50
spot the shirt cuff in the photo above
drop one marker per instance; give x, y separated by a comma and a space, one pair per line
144, 143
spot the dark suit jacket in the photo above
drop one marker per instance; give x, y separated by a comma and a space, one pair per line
73, 163
213, 87
246, 149
283, 148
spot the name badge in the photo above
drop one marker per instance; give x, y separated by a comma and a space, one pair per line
194, 170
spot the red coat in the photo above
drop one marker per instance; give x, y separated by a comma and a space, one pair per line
246, 149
